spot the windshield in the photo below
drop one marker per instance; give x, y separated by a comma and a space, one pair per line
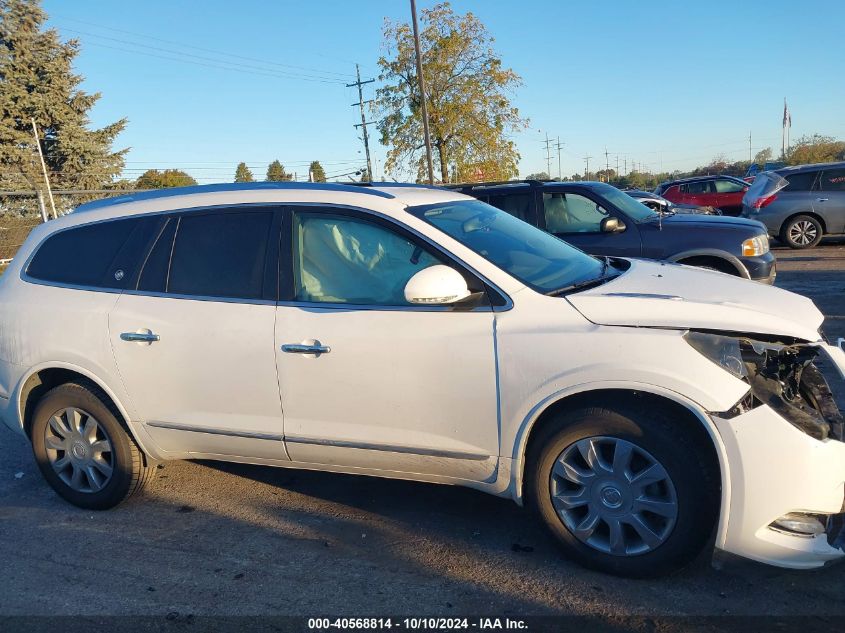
534, 257
634, 209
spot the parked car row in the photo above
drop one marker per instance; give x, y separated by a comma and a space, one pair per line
602, 220
643, 409
656, 202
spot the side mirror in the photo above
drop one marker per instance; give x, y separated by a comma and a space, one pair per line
612, 225
436, 285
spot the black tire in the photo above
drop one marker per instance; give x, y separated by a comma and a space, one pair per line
802, 231
694, 479
130, 470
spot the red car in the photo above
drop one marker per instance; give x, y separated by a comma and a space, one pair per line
721, 192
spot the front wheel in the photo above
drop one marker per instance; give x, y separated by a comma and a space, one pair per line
802, 231
624, 491
83, 450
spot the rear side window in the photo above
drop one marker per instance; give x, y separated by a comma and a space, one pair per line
832, 180
91, 255
220, 255
516, 204
801, 182
705, 186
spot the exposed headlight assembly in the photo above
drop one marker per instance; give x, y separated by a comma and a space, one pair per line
755, 246
782, 376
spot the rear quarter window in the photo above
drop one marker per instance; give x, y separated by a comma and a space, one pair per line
88, 255
802, 181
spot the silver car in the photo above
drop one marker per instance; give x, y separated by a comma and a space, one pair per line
799, 205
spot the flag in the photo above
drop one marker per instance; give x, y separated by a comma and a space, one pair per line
787, 117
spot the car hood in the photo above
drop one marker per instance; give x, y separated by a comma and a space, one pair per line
689, 221
658, 294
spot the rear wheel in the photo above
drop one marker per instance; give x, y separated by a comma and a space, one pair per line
624, 491
83, 450
802, 231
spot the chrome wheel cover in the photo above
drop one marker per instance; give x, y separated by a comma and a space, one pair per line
613, 496
803, 232
79, 450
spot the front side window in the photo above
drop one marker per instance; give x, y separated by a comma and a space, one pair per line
531, 255
85, 255
343, 259
728, 186
220, 255
832, 180
572, 213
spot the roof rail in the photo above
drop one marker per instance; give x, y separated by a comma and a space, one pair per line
387, 184
493, 183
225, 186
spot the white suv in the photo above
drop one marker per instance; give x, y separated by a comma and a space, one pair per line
642, 408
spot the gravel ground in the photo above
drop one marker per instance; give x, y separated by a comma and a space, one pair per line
221, 539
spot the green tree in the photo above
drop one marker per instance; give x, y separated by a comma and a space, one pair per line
467, 94
815, 148
243, 174
37, 82
155, 179
318, 174
276, 173
540, 175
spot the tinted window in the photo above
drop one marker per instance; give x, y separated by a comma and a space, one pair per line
84, 255
832, 180
153, 277
728, 186
220, 255
801, 182
516, 204
704, 186
340, 259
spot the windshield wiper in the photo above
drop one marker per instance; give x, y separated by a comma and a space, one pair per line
596, 281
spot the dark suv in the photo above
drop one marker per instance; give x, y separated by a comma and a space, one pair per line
602, 220
810, 206
720, 192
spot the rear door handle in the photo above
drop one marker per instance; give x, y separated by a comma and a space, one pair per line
314, 348
140, 337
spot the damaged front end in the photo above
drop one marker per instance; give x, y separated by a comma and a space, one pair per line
783, 375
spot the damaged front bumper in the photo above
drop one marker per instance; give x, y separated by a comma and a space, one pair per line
784, 458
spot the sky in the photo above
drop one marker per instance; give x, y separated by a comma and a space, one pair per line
663, 85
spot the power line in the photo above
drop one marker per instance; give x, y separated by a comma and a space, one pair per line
199, 48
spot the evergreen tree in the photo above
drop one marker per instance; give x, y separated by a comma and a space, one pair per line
155, 179
276, 172
37, 82
243, 174
318, 174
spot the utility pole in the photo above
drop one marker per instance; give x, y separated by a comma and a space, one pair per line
750, 155
606, 165
364, 123
625, 161
44, 168
548, 156
587, 173
421, 81
559, 147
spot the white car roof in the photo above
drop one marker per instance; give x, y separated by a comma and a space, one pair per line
379, 196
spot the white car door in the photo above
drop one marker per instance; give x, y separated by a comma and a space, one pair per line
368, 380
193, 338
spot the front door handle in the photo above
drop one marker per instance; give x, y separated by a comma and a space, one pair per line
822, 199
315, 348
140, 337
